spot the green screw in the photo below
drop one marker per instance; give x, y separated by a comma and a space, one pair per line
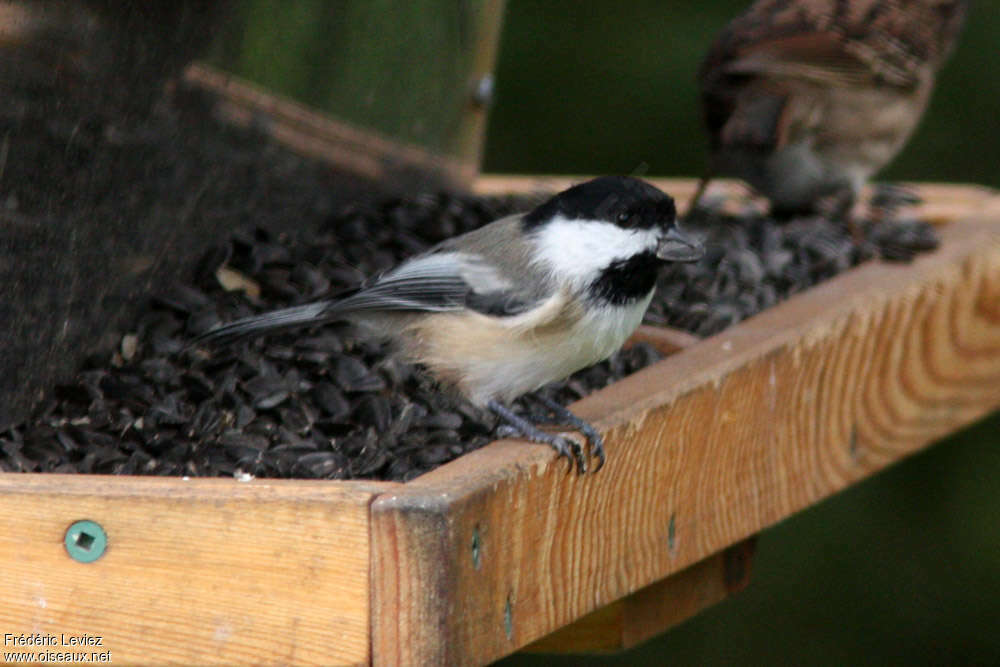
86, 541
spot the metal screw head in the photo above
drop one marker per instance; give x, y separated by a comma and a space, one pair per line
508, 618
85, 541
477, 545
482, 91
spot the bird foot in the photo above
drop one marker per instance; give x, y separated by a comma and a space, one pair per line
526, 427
562, 415
888, 198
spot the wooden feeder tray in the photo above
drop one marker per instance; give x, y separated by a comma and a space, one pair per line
501, 548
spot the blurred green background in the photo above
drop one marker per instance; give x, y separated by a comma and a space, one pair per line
901, 569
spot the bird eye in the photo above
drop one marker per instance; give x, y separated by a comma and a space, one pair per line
623, 217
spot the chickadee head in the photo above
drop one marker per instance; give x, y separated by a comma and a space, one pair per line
645, 216
621, 200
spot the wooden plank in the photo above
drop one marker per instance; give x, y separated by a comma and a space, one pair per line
307, 132
941, 201
681, 189
655, 608
196, 571
501, 547
665, 339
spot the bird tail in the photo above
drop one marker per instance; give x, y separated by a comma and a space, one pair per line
275, 321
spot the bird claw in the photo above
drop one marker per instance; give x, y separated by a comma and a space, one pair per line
562, 415
573, 452
570, 448
597, 449
576, 452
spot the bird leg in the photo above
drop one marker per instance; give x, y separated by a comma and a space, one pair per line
698, 193
519, 426
840, 207
561, 415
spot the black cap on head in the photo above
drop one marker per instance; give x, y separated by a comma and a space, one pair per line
622, 200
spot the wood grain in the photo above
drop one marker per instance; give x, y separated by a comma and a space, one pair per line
501, 547
196, 571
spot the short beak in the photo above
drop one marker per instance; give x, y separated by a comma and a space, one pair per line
677, 247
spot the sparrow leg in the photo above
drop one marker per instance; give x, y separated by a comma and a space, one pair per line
517, 425
698, 193
841, 208
563, 416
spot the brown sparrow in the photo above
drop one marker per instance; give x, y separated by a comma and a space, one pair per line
806, 99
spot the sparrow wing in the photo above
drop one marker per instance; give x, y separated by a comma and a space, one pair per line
837, 43
750, 81
756, 118
823, 58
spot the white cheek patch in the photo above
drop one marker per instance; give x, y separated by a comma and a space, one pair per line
578, 250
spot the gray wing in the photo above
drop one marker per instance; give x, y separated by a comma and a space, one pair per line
439, 282
490, 270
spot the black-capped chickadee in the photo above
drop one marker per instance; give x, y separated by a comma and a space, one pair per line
521, 302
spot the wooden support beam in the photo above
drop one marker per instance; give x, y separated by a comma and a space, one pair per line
196, 571
656, 608
497, 549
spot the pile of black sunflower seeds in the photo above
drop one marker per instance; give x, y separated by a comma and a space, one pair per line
330, 404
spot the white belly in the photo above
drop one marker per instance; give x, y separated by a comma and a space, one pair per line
514, 357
